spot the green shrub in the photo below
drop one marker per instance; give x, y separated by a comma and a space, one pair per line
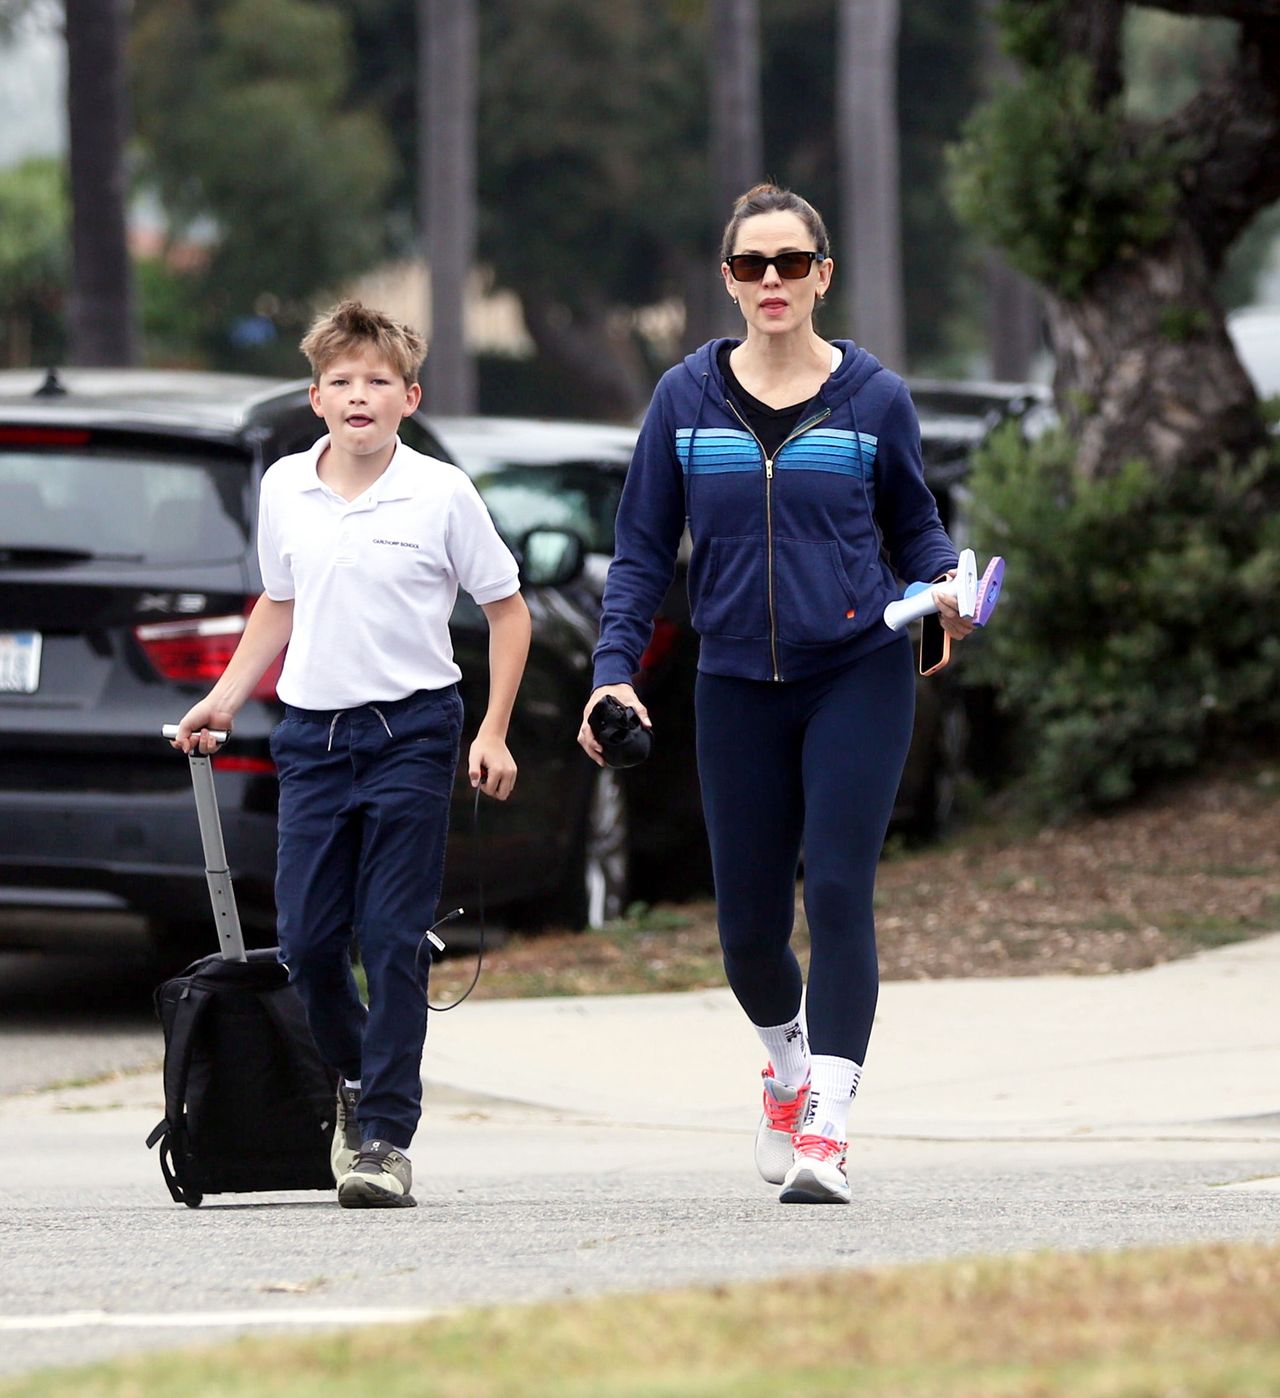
1066, 188
1138, 630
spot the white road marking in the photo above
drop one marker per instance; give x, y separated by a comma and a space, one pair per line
180, 1320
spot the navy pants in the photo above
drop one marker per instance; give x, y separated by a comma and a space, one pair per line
815, 764
364, 812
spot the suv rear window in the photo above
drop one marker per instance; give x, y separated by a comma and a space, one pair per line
141, 505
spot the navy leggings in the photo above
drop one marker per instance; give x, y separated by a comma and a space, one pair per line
364, 812
816, 764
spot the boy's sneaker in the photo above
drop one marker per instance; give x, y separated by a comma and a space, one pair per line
346, 1132
783, 1108
380, 1178
817, 1173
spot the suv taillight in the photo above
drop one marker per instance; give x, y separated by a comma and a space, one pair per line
196, 650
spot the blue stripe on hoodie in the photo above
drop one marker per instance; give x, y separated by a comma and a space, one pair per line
798, 589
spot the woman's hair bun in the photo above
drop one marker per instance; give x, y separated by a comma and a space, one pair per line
764, 188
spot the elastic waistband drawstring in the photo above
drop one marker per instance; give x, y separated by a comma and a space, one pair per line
373, 708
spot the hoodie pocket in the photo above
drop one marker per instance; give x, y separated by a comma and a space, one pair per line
728, 591
815, 601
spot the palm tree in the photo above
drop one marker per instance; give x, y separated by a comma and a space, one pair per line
867, 118
737, 142
102, 321
447, 59
1013, 304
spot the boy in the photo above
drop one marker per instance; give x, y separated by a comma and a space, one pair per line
362, 544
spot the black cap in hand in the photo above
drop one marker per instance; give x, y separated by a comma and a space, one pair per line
618, 730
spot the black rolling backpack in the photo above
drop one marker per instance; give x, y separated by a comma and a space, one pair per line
248, 1102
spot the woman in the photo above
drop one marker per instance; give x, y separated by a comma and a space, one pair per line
797, 466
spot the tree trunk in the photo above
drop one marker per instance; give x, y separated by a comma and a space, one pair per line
737, 140
597, 355
867, 86
1144, 367
447, 41
102, 320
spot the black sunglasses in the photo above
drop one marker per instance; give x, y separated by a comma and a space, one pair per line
749, 266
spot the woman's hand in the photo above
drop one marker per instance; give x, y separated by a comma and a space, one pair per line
955, 625
626, 696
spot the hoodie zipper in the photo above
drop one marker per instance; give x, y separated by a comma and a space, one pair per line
768, 513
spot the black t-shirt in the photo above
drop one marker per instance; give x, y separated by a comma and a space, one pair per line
772, 425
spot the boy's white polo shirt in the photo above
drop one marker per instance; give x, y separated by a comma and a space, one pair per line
374, 580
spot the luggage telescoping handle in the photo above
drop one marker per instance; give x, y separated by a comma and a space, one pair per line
221, 895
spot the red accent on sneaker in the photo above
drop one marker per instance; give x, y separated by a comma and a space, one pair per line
783, 1116
820, 1148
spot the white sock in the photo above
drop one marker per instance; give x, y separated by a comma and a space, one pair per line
833, 1084
788, 1048
351, 1082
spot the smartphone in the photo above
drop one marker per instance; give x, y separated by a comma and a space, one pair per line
935, 645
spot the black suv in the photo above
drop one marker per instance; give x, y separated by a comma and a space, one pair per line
127, 568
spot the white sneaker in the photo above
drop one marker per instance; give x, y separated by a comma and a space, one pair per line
817, 1174
346, 1132
380, 1178
783, 1108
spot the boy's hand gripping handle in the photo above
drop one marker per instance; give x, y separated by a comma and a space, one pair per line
217, 873
170, 730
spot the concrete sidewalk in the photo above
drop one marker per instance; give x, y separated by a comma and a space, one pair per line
1191, 1047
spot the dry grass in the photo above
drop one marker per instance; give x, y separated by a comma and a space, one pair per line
1191, 1322
1195, 867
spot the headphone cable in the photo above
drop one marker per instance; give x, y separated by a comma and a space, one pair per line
430, 934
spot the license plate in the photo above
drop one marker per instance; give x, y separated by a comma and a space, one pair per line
19, 662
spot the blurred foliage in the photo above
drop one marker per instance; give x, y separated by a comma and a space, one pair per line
594, 135
172, 315
252, 141
1064, 187
940, 74
34, 233
1136, 634
593, 138
281, 136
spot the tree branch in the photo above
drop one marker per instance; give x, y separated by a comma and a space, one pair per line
1232, 128
1094, 28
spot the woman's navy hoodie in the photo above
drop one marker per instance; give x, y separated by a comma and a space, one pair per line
793, 558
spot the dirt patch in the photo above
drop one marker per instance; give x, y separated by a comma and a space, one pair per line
1195, 867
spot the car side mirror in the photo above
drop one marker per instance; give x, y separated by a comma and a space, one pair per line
551, 557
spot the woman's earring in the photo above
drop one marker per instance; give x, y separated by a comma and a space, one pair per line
733, 298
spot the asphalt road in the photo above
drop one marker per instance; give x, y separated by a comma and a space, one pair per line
517, 1202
